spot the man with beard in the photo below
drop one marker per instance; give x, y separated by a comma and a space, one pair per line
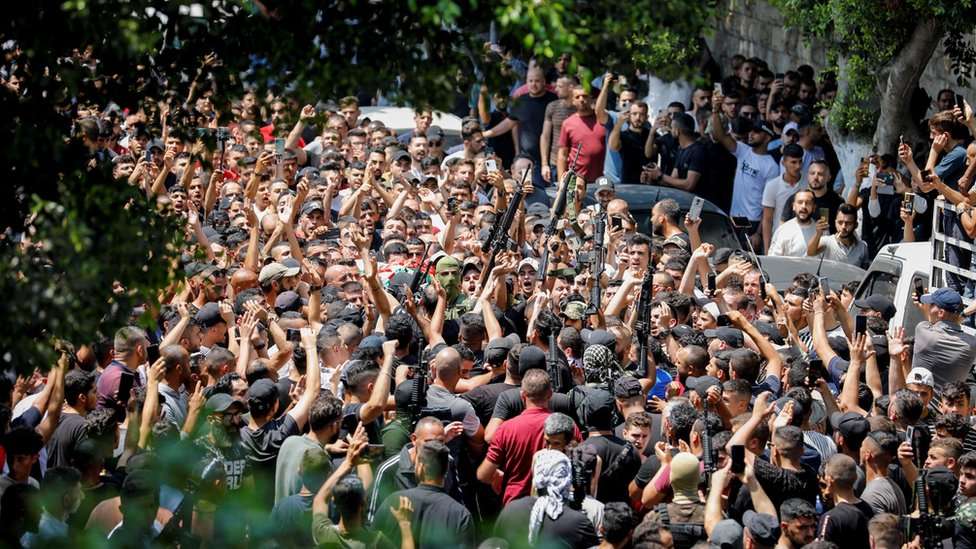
207, 283
824, 197
664, 222
791, 238
448, 274
844, 245
223, 469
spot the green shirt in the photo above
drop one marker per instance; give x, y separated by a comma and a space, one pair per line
395, 435
460, 305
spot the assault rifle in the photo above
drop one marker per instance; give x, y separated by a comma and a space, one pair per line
418, 275
932, 528
558, 209
552, 365
498, 239
642, 327
418, 400
709, 454
595, 258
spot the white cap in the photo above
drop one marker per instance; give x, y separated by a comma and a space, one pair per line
920, 376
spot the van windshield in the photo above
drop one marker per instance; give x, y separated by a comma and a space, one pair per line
878, 283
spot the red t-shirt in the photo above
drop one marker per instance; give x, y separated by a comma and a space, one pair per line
593, 136
512, 448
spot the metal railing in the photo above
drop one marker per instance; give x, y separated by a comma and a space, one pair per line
940, 242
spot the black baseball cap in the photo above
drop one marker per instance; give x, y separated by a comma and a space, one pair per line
262, 394
763, 528
731, 336
850, 425
531, 357
626, 387
208, 315
878, 303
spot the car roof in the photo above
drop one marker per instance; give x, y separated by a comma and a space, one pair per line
401, 118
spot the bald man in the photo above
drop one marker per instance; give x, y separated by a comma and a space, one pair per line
243, 279
397, 473
446, 368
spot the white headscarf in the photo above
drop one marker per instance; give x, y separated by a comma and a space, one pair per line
552, 477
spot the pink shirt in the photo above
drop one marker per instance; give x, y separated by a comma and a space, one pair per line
593, 136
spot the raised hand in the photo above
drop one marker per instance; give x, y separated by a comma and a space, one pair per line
308, 113
896, 341
156, 372
227, 313
264, 160
403, 513
197, 400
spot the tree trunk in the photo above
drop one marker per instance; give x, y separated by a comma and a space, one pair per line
900, 83
849, 147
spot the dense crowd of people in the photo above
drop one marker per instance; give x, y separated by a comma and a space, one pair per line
378, 340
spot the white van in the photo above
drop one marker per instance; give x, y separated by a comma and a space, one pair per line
893, 274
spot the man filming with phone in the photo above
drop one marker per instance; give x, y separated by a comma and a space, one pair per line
843, 245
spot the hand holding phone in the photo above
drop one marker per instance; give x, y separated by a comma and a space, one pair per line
860, 324
738, 455
694, 212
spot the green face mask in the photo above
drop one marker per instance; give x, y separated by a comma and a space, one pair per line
450, 281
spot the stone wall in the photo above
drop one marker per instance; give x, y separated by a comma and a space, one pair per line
755, 28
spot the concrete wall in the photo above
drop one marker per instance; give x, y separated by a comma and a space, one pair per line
755, 28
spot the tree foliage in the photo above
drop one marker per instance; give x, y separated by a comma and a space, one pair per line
99, 248
865, 36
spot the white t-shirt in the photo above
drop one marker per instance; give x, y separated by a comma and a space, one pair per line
791, 239
775, 195
856, 255
752, 171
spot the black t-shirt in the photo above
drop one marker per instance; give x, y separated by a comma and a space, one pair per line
667, 148
70, 430
632, 157
530, 112
570, 529
647, 471
691, 159
504, 145
779, 484
373, 428
262, 446
846, 524
620, 465
484, 398
718, 188
509, 404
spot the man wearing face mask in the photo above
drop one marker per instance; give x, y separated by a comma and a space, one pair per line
448, 274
